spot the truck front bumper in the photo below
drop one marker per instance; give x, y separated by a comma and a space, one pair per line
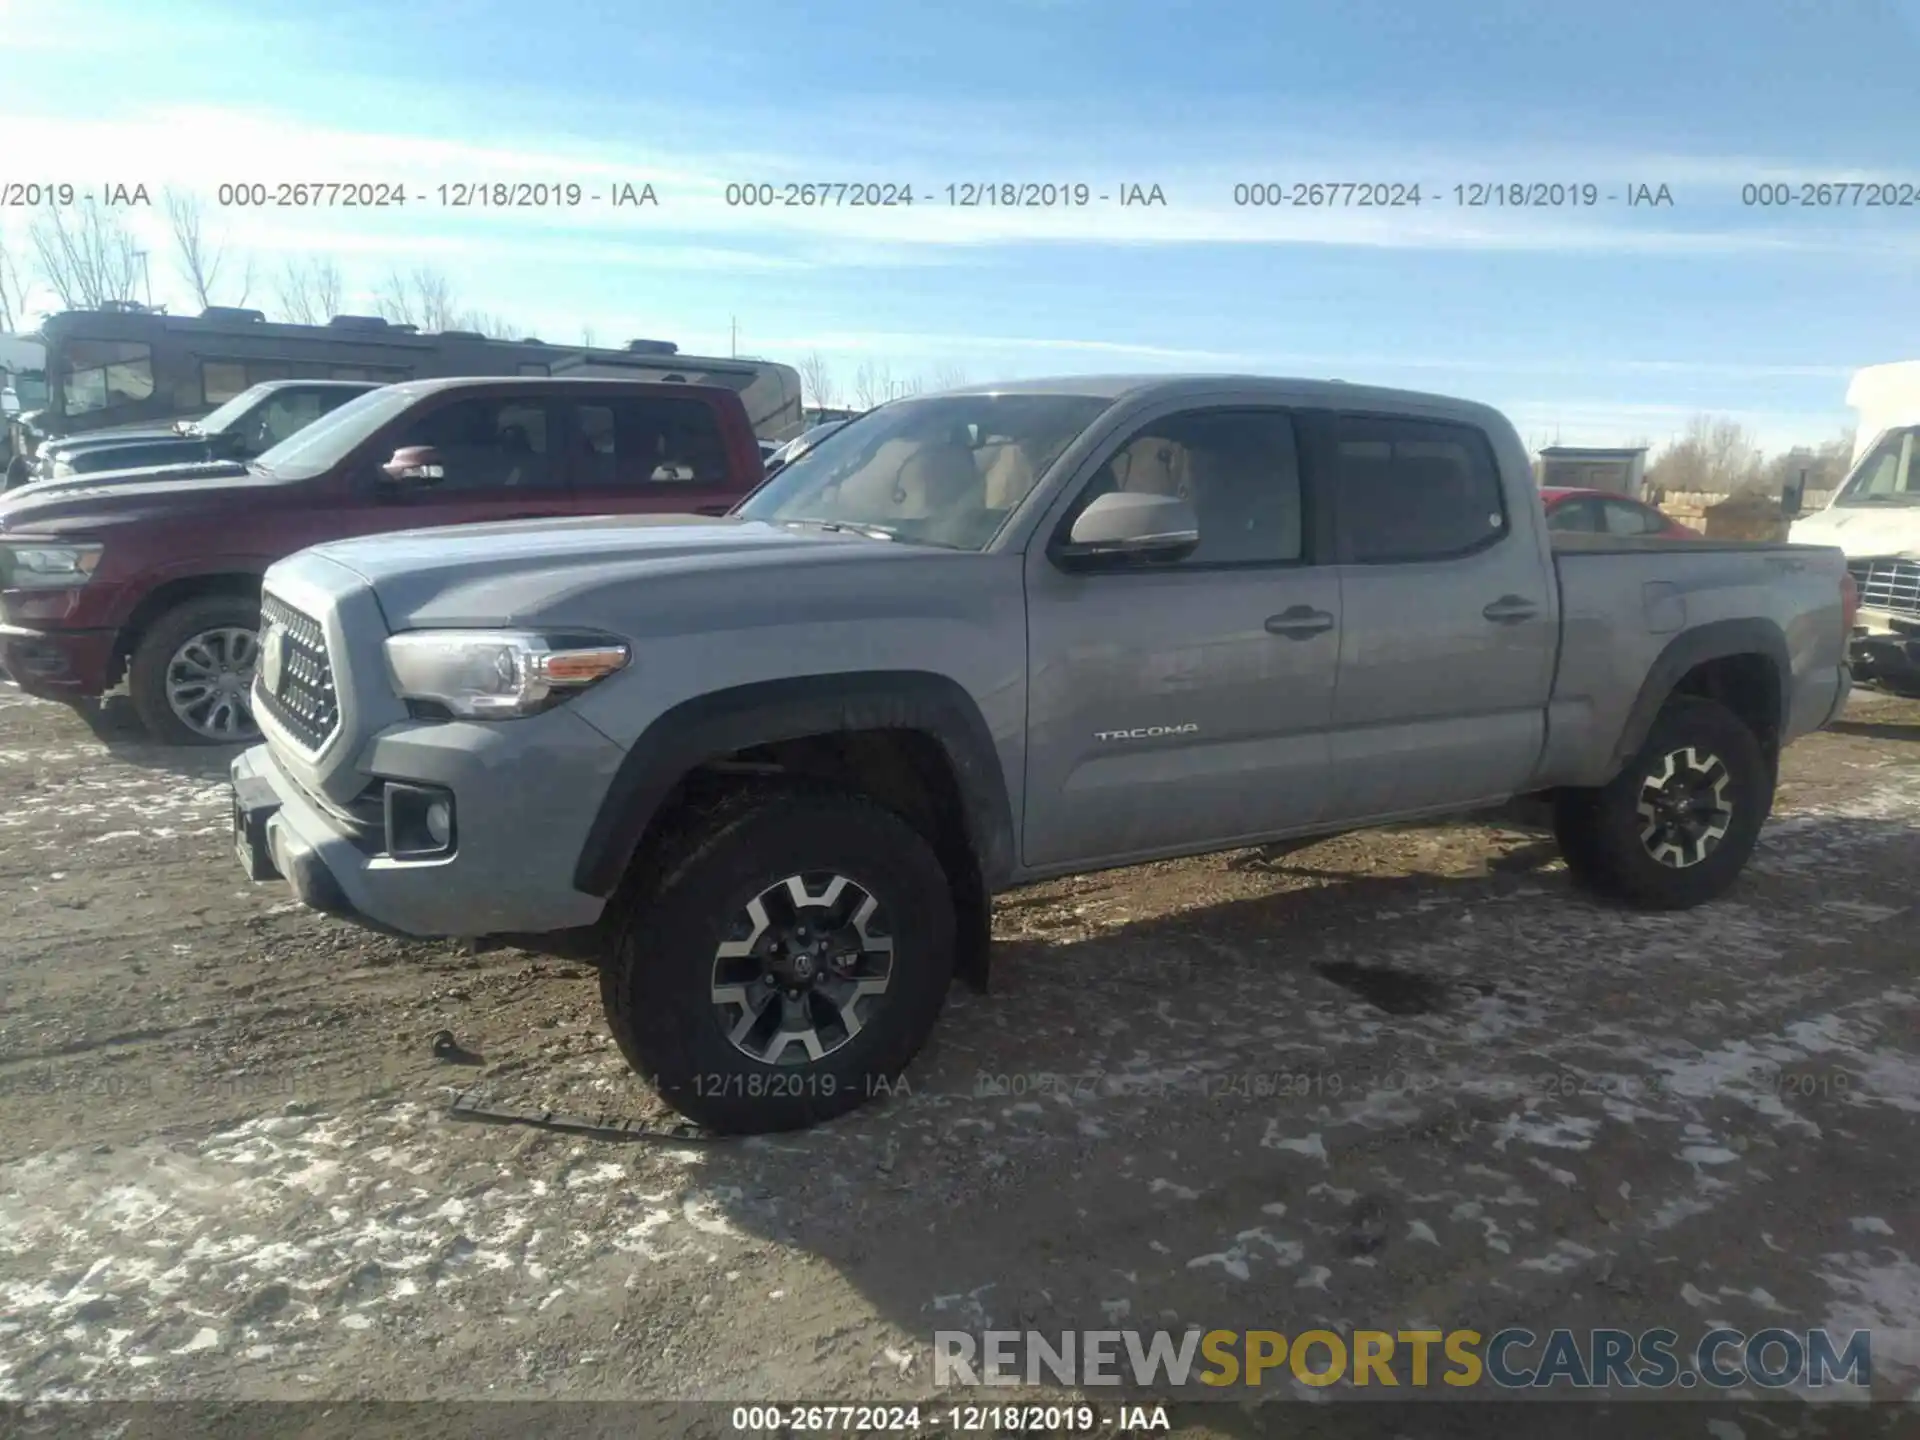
57, 664
508, 870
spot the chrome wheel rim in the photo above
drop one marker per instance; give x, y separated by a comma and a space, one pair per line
1684, 808
802, 970
210, 683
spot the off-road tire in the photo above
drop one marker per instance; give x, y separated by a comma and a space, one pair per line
1600, 830
656, 981
147, 672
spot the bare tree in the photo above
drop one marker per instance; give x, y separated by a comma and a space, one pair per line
310, 291
949, 376
494, 327
13, 288
1825, 466
816, 381
423, 298
86, 255
1715, 456
199, 256
872, 385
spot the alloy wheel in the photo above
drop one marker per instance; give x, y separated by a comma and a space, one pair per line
803, 965
1684, 807
210, 683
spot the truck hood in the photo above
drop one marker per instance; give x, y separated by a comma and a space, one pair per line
114, 497
517, 572
87, 439
146, 451
1862, 530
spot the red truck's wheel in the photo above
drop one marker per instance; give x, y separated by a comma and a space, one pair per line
1677, 825
191, 673
787, 965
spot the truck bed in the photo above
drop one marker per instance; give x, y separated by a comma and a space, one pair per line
1635, 608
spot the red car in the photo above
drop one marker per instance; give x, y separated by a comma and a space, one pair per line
1598, 512
154, 576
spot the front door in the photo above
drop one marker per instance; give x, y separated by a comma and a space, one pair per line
1448, 620
1176, 705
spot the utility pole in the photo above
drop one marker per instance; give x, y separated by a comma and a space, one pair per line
733, 340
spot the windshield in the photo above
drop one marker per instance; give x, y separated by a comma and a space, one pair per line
1889, 475
330, 439
218, 421
944, 471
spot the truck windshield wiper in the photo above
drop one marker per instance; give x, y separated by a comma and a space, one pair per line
1900, 498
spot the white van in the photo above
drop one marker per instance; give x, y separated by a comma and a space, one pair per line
1875, 517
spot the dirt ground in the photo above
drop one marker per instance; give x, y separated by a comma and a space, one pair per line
1396, 1077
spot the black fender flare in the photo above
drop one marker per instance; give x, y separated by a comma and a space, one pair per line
1717, 640
710, 726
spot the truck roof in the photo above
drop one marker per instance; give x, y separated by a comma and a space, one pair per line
581, 382
1332, 393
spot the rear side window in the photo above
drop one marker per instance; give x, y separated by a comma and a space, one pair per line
622, 443
1576, 517
1411, 490
1625, 519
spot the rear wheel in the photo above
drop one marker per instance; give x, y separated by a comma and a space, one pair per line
1676, 826
788, 966
191, 678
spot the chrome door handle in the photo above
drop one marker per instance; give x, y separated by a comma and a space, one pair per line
1300, 622
1511, 610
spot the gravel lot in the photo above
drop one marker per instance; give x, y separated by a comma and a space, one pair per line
1395, 1077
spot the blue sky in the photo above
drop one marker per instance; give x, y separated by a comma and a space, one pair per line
1590, 325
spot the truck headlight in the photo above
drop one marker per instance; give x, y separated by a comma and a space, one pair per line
32, 565
498, 674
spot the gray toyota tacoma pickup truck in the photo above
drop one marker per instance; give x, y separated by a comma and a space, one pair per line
769, 769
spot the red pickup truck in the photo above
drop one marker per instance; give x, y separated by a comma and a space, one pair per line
155, 579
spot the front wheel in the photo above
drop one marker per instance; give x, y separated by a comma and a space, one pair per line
788, 965
191, 677
1677, 825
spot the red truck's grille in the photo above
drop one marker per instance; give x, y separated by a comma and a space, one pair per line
1888, 584
296, 680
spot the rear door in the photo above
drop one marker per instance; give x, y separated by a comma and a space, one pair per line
650, 454
1181, 705
1447, 619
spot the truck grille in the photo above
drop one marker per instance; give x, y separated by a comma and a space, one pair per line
1892, 585
303, 699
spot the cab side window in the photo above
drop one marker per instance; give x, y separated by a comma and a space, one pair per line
1238, 469
488, 444
1414, 490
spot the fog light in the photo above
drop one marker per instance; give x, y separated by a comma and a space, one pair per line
420, 821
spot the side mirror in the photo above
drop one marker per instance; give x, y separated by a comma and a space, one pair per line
1120, 526
1793, 497
414, 465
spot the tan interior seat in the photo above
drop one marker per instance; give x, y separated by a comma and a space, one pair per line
1008, 477
1152, 465
911, 480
